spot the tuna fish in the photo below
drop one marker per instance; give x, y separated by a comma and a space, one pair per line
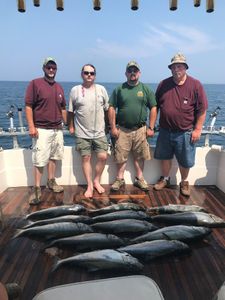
191, 218
178, 232
116, 207
152, 249
102, 260
56, 211
122, 214
55, 230
175, 208
66, 218
88, 241
124, 226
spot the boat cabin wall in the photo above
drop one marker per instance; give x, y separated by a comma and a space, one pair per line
16, 169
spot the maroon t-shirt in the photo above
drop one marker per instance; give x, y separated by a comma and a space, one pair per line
180, 105
47, 101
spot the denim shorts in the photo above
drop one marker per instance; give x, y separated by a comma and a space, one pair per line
178, 143
86, 146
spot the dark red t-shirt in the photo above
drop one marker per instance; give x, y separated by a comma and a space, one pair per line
180, 105
47, 101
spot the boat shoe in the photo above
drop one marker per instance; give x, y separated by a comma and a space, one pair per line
141, 184
185, 188
119, 182
35, 197
162, 183
52, 185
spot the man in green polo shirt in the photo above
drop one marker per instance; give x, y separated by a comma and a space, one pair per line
130, 104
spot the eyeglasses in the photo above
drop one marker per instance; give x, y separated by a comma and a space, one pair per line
88, 73
132, 70
50, 67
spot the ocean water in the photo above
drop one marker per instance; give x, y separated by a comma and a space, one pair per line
12, 98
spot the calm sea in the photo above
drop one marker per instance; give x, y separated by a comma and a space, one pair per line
12, 94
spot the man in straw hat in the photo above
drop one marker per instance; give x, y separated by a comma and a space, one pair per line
182, 102
45, 112
130, 104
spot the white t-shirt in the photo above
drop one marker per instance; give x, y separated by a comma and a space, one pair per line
89, 106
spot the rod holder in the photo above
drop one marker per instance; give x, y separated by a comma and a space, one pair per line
21, 5
134, 4
209, 6
173, 4
37, 3
197, 3
97, 4
60, 5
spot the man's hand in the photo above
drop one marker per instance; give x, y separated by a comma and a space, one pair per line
115, 132
196, 134
33, 132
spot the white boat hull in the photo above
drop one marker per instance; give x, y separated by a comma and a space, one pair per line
16, 169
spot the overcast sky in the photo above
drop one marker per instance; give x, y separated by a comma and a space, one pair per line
109, 38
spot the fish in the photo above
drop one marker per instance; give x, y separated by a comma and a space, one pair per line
102, 260
125, 225
88, 241
122, 214
66, 218
115, 207
55, 230
191, 218
177, 232
153, 249
56, 211
174, 208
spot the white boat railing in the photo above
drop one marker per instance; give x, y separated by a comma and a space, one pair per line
15, 132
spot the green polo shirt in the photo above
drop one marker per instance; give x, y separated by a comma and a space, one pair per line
131, 104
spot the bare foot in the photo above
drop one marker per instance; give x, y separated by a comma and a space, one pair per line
89, 193
99, 188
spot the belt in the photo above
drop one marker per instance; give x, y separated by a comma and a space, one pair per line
136, 127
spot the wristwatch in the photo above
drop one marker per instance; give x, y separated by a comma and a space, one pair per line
151, 128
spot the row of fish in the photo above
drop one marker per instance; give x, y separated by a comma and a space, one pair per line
102, 230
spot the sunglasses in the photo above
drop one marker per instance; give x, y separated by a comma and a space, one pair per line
132, 70
88, 73
50, 67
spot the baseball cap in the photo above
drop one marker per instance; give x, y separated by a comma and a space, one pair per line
133, 63
49, 59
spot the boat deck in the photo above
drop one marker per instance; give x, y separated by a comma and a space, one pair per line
194, 276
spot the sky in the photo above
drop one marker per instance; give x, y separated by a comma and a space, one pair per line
111, 37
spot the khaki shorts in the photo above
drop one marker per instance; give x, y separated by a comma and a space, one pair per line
132, 141
48, 145
86, 146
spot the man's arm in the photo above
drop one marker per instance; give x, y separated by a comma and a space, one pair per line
70, 119
152, 120
196, 133
29, 115
112, 122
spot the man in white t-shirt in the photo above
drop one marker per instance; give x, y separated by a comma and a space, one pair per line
88, 105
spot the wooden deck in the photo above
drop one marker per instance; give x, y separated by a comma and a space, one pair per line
195, 276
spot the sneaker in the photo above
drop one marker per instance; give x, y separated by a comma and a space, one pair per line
35, 197
141, 184
162, 183
13, 291
117, 184
52, 185
185, 188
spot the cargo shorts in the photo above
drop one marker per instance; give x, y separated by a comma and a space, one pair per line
48, 145
86, 146
133, 141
